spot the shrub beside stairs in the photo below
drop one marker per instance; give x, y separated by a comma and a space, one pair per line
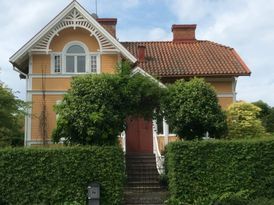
143, 181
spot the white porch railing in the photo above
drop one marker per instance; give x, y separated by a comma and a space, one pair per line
123, 137
159, 158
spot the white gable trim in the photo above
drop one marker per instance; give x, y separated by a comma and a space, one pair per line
144, 73
73, 5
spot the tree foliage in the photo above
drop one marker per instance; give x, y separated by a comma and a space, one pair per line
192, 109
243, 121
11, 118
266, 115
95, 109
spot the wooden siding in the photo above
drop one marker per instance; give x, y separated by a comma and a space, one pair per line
36, 112
108, 63
51, 84
67, 35
41, 63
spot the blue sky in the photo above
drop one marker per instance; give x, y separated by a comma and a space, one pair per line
245, 25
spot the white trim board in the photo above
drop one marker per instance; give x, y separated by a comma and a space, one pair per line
48, 92
144, 73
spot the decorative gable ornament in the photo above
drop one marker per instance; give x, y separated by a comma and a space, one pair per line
73, 16
74, 20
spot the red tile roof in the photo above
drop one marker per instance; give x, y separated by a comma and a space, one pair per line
191, 58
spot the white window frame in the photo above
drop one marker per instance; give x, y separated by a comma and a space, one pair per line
63, 55
53, 54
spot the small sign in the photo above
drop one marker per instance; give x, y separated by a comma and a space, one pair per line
94, 191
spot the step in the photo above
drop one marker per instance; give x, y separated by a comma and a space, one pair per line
140, 157
143, 172
141, 166
143, 178
152, 197
141, 163
144, 189
143, 182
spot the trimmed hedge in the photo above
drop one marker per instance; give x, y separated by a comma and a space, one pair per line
200, 172
59, 175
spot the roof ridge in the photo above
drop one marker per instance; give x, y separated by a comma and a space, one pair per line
218, 44
182, 42
145, 41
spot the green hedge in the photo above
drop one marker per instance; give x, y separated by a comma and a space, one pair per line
200, 172
59, 175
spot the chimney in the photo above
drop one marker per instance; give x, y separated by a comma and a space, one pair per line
141, 53
183, 32
109, 24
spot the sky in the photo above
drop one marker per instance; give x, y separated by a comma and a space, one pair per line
245, 25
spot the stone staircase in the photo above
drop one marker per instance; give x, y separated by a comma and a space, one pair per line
143, 185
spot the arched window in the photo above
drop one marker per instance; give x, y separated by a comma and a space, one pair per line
75, 59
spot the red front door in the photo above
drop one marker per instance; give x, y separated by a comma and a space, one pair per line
139, 136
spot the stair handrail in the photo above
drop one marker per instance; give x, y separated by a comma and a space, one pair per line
159, 158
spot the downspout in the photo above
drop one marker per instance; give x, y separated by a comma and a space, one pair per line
17, 70
26, 117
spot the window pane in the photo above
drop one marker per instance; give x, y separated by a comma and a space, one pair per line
75, 49
93, 64
57, 64
159, 121
81, 64
70, 64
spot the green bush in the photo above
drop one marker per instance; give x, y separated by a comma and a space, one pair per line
60, 176
243, 121
201, 172
192, 109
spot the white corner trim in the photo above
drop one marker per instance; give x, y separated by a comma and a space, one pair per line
28, 121
234, 84
144, 73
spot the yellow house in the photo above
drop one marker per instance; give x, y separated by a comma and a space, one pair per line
76, 42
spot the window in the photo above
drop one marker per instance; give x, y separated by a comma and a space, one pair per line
75, 59
57, 63
93, 63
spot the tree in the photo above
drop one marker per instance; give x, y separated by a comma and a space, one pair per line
12, 112
95, 109
243, 121
269, 121
266, 115
192, 109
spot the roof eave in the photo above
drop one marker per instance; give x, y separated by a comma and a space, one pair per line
241, 62
204, 75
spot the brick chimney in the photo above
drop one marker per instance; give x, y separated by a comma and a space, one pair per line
141, 53
183, 32
109, 24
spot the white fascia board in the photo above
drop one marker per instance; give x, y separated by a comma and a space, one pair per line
59, 17
144, 73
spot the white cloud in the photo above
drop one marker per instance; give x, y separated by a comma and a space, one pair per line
247, 26
144, 34
19, 22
